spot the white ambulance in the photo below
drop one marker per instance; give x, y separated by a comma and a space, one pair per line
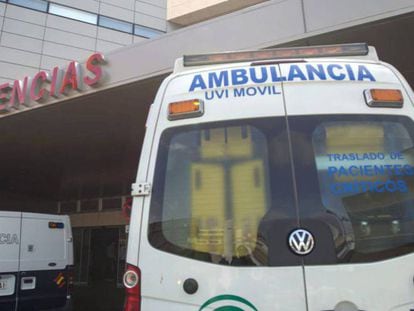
276, 180
36, 262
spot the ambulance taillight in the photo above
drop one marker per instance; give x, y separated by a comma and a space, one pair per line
132, 283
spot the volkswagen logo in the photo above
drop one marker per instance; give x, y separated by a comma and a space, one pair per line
301, 242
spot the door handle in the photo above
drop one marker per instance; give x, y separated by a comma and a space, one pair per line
28, 283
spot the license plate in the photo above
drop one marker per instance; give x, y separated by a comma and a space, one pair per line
7, 283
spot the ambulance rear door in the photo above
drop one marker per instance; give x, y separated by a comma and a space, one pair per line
222, 199
353, 159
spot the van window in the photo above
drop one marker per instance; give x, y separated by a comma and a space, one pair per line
354, 177
223, 192
213, 186
366, 173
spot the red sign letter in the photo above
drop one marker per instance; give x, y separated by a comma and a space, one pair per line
93, 66
4, 98
37, 93
18, 92
71, 77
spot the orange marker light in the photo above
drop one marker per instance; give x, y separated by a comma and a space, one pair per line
185, 109
384, 98
386, 95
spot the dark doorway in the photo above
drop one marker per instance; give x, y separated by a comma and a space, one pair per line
102, 290
104, 252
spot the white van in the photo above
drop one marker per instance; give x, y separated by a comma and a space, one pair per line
36, 261
276, 180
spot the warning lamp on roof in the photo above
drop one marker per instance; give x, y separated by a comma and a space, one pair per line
185, 109
353, 49
384, 98
56, 225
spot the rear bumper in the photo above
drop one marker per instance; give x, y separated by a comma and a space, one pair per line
44, 303
8, 304
67, 307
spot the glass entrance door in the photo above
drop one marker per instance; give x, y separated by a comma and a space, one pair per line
82, 251
121, 258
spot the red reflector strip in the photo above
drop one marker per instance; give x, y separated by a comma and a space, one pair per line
60, 280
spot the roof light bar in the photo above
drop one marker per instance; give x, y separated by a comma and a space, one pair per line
353, 49
56, 225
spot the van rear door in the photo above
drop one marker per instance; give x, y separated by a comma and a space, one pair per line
46, 254
222, 202
9, 259
354, 176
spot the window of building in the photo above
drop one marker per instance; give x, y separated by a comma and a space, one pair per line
72, 13
146, 32
38, 5
90, 205
87, 17
69, 207
111, 204
115, 24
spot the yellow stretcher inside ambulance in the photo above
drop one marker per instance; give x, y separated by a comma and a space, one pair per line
274, 180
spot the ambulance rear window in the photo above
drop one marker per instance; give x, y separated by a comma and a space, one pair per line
366, 176
231, 193
212, 189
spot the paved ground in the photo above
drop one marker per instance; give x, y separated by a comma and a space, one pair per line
103, 296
